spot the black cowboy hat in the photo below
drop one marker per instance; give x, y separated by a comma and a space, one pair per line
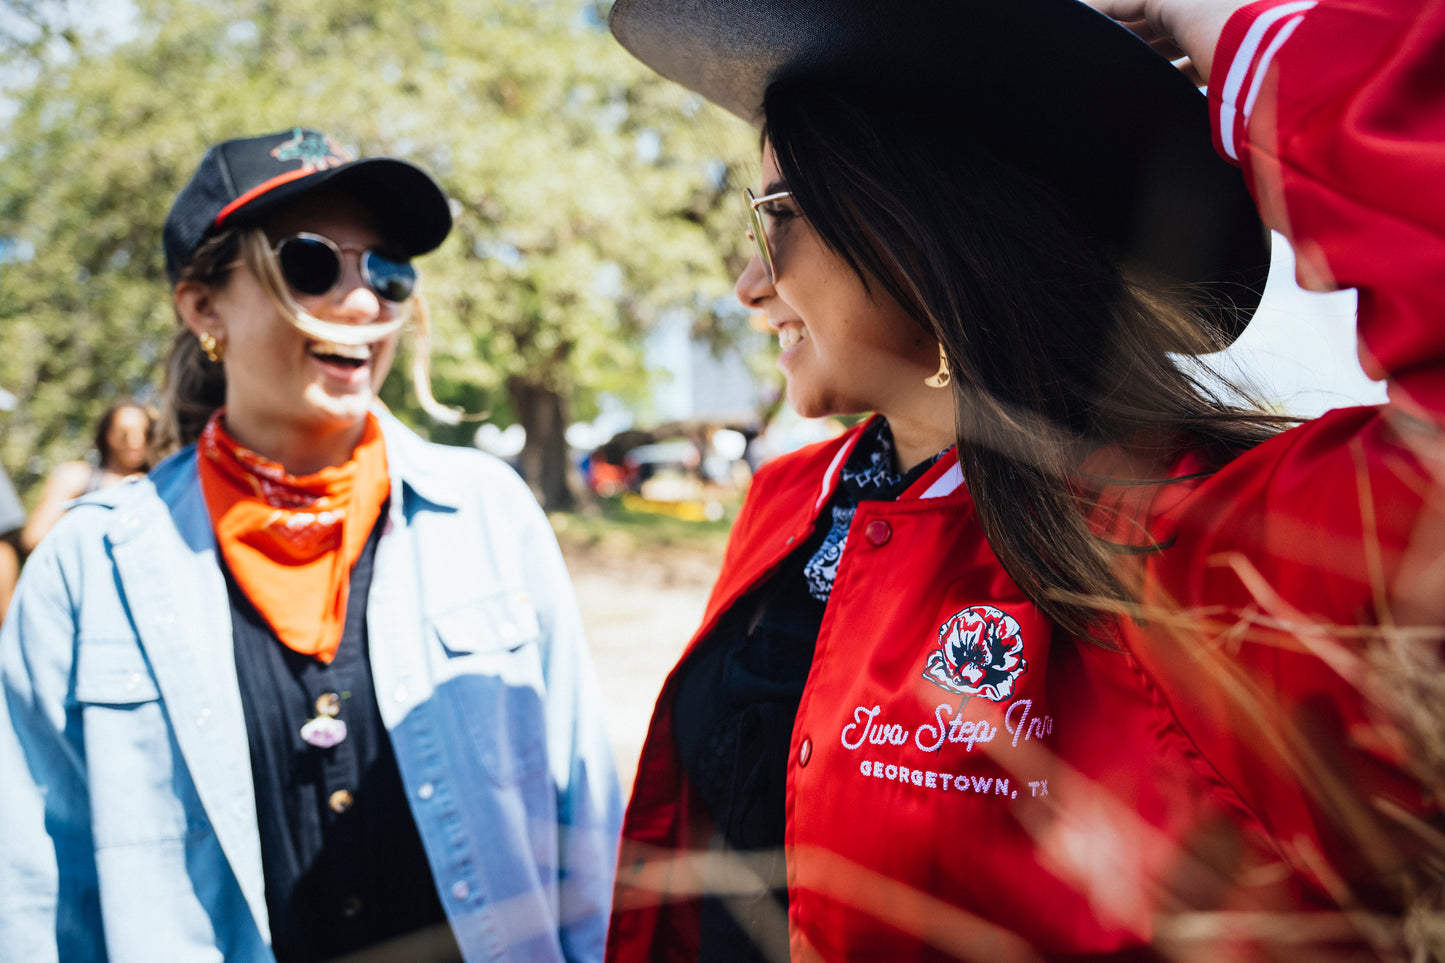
1050, 86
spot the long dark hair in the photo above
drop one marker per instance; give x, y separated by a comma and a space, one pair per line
1055, 351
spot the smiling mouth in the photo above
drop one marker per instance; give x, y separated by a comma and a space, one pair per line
341, 355
790, 335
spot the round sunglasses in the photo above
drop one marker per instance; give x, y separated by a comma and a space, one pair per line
312, 265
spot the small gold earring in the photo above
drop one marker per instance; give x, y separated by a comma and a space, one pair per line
941, 378
214, 351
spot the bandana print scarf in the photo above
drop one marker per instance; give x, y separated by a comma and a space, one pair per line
870, 474
290, 542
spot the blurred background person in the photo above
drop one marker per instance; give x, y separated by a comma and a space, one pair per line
122, 437
12, 517
314, 685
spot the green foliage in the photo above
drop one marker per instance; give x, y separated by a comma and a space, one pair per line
589, 194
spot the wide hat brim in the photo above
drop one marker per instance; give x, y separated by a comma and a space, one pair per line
1050, 86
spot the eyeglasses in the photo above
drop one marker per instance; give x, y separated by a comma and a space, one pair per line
757, 233
313, 265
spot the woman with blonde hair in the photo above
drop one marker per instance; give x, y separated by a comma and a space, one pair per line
314, 685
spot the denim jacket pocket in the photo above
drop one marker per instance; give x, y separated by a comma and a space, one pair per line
110, 670
504, 622
493, 686
131, 758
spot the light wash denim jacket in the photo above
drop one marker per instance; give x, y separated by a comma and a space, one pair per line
127, 816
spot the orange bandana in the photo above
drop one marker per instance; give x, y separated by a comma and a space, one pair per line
291, 542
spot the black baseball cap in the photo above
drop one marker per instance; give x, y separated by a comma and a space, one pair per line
1052, 87
240, 180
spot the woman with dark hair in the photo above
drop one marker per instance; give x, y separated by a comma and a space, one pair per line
1071, 649
314, 686
121, 439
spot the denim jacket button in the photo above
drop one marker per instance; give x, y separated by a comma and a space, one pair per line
340, 801
461, 890
426, 790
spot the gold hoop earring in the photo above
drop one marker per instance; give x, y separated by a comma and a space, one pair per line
214, 351
940, 378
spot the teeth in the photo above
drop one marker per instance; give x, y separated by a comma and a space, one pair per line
358, 352
790, 335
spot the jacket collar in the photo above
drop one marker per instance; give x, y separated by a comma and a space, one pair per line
944, 478
415, 464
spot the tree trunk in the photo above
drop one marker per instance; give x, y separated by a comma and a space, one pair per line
546, 464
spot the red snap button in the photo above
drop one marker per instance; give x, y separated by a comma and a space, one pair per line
805, 752
878, 532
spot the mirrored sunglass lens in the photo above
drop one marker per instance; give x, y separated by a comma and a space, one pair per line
308, 265
391, 280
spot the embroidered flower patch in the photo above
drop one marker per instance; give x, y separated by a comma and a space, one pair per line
980, 652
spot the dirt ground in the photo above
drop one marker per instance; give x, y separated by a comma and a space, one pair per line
640, 607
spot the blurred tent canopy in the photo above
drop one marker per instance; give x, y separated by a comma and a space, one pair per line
590, 196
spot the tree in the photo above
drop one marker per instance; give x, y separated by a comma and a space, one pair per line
590, 196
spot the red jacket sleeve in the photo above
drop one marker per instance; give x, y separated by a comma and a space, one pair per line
1299, 582
1337, 113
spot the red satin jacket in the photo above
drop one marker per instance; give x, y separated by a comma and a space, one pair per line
968, 782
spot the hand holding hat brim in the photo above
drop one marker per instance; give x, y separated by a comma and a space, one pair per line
1182, 31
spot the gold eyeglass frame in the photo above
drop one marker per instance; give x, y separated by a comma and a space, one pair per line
757, 233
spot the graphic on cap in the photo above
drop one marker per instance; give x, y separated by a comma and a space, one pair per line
980, 652
313, 149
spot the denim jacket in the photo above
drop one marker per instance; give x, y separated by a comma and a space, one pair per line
127, 815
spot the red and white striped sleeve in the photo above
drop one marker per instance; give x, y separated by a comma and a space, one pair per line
1246, 48
1336, 112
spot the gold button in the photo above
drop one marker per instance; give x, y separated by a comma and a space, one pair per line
328, 704
351, 906
341, 801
